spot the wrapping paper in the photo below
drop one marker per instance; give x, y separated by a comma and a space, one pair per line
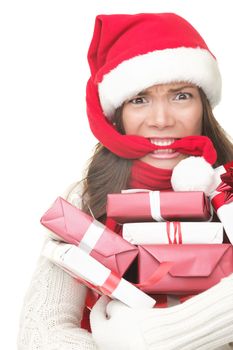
222, 197
173, 232
92, 273
158, 206
194, 267
74, 226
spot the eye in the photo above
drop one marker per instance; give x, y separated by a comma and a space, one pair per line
183, 96
138, 100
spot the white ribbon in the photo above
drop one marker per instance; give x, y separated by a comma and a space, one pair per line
155, 205
91, 237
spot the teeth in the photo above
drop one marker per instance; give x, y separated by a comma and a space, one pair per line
164, 142
164, 151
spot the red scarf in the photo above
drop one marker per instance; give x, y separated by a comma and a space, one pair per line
146, 176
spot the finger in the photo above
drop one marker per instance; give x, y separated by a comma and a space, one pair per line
98, 312
114, 307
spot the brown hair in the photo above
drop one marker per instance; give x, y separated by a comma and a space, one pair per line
211, 128
108, 173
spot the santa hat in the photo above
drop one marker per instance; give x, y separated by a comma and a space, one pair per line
129, 53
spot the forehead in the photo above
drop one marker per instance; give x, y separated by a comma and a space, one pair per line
170, 87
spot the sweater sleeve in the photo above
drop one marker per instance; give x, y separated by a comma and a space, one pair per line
52, 312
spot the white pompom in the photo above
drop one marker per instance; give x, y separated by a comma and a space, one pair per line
193, 174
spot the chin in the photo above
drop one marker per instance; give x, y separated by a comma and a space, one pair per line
163, 163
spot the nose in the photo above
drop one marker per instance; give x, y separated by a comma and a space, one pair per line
160, 115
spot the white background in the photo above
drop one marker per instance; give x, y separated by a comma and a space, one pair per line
44, 135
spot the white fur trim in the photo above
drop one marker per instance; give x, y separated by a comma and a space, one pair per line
196, 66
193, 174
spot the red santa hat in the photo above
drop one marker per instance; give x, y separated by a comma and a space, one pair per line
130, 53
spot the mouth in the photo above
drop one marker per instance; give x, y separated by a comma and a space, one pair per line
164, 151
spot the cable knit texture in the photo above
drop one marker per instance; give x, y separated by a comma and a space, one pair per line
52, 311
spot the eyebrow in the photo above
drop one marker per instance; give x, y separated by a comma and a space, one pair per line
143, 92
182, 88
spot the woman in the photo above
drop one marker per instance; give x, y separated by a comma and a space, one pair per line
153, 81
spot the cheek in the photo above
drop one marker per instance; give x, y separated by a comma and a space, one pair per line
194, 126
194, 123
127, 124
131, 121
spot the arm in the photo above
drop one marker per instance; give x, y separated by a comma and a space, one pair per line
204, 322
53, 307
52, 312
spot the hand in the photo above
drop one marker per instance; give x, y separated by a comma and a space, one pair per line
115, 326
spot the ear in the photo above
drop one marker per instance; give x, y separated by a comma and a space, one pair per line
193, 174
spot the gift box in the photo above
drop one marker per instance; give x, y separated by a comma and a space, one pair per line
74, 226
171, 232
158, 206
194, 267
92, 273
222, 197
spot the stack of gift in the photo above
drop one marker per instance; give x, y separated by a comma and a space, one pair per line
95, 255
179, 250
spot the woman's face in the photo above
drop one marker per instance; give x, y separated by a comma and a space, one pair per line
163, 113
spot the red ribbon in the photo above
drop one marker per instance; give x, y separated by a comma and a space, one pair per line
177, 232
107, 288
225, 188
159, 273
110, 284
114, 279
228, 165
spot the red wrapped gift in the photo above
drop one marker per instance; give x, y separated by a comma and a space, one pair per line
74, 226
158, 206
194, 267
